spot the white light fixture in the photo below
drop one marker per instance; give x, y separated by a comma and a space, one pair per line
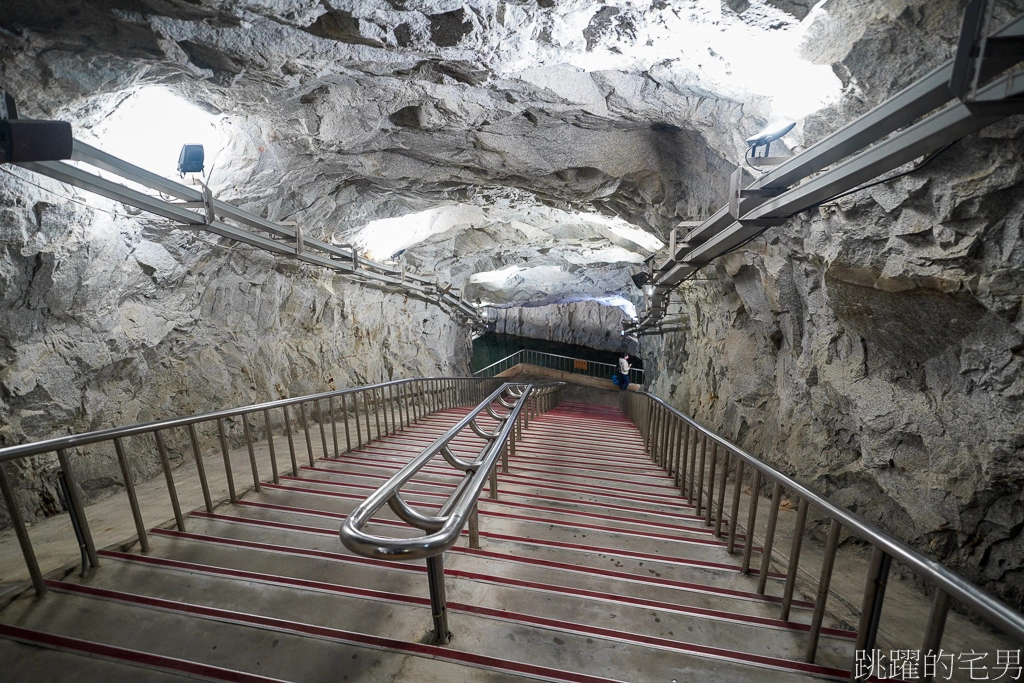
149, 128
769, 135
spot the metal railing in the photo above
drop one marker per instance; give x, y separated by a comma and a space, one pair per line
522, 401
198, 209
365, 413
576, 366
673, 441
913, 123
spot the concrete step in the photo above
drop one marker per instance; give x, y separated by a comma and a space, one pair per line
310, 607
592, 567
236, 641
431, 495
320, 512
518, 601
706, 586
35, 661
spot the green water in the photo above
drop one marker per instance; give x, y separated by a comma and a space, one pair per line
490, 348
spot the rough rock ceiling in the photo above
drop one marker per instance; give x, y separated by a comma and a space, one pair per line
343, 112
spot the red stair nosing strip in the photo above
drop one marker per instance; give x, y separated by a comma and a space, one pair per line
612, 440
492, 555
718, 615
532, 495
612, 552
520, 559
583, 460
439, 470
641, 462
132, 657
512, 478
525, 506
590, 431
531, 442
273, 623
533, 520
637, 475
350, 637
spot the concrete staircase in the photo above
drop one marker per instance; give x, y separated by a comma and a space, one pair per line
592, 568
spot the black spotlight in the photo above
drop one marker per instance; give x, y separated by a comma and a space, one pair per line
640, 279
191, 159
23, 140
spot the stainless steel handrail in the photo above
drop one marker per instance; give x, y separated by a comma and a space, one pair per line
636, 375
851, 156
390, 406
672, 440
76, 440
444, 529
247, 227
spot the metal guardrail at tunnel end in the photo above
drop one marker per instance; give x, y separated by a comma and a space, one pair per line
673, 441
575, 366
379, 409
875, 144
443, 529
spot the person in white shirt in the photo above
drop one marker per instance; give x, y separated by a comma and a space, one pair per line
624, 367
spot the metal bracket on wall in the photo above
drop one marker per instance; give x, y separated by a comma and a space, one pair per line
737, 193
979, 57
917, 121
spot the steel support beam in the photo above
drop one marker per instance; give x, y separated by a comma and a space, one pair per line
283, 240
722, 232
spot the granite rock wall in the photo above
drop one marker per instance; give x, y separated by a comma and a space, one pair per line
587, 323
874, 349
110, 320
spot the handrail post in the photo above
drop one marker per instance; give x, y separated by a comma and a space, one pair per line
22, 533
366, 414
794, 560
683, 452
323, 432
272, 449
721, 494
769, 539
377, 410
344, 417
79, 509
305, 429
228, 474
874, 597
748, 543
700, 471
736, 493
355, 418
711, 484
383, 409
474, 528
936, 623
200, 467
493, 477
166, 463
334, 427
438, 602
823, 584
391, 404
693, 468
252, 453
133, 501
